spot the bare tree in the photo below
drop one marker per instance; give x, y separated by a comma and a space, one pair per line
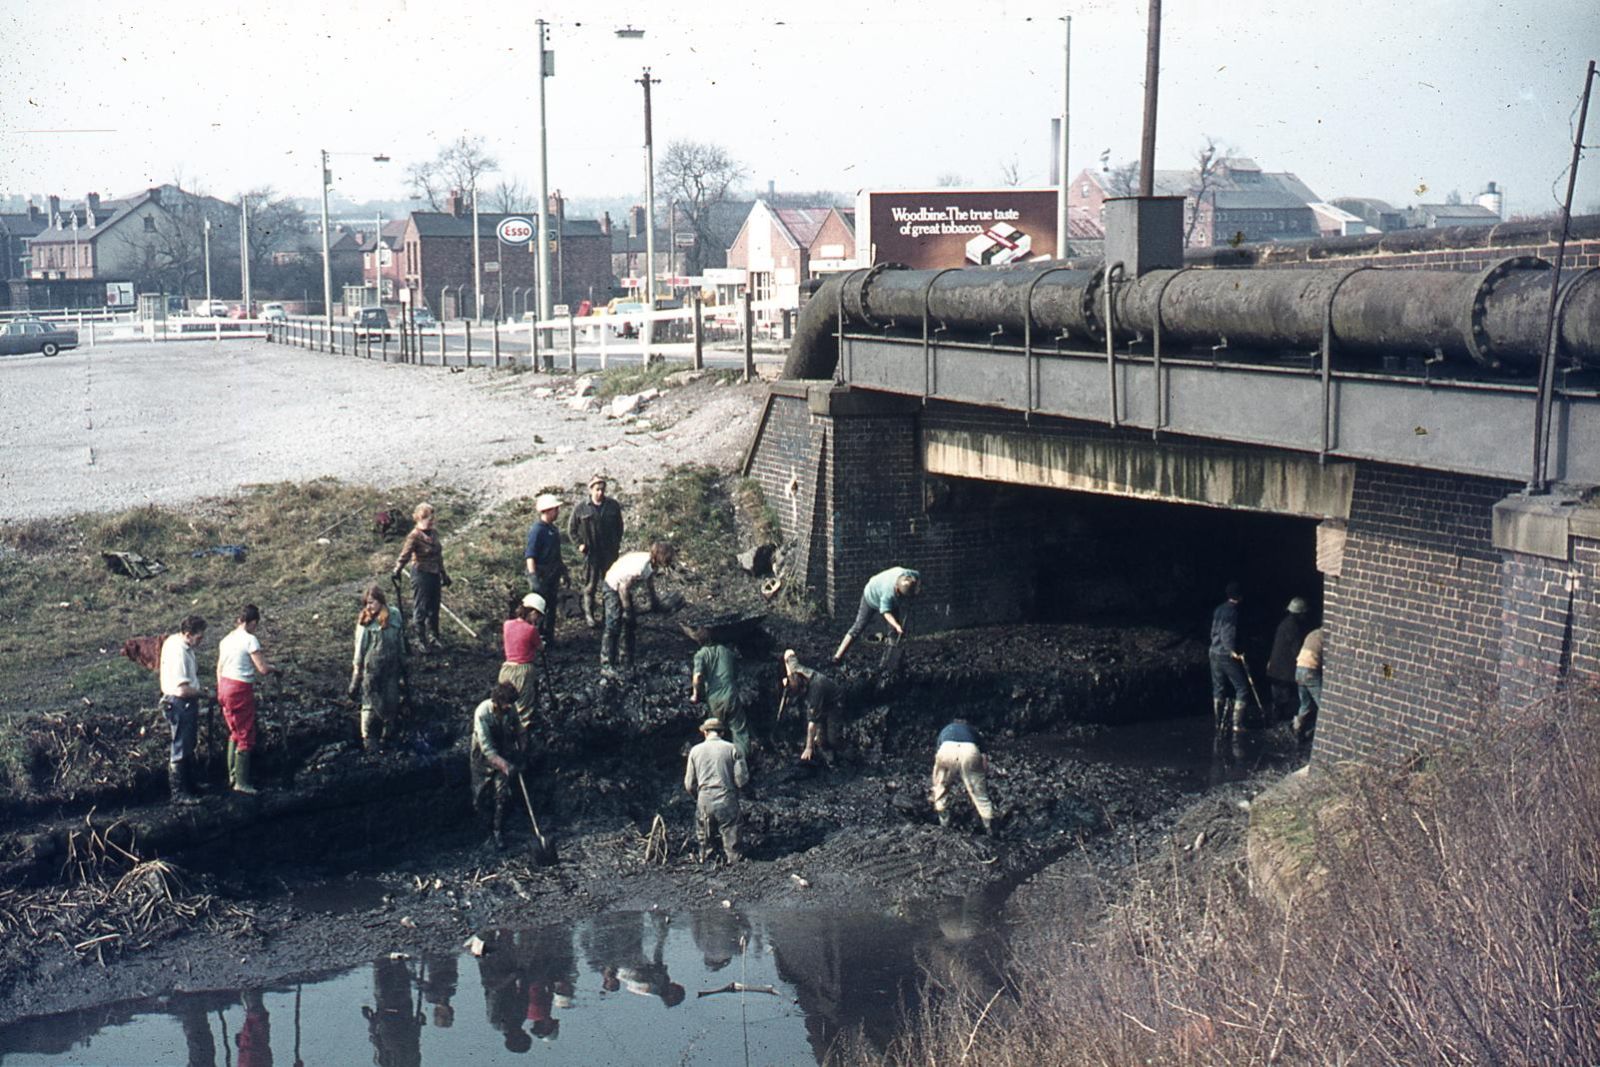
511, 196
1453, 196
278, 230
1011, 172
459, 165
1203, 179
168, 253
1123, 179
948, 180
697, 177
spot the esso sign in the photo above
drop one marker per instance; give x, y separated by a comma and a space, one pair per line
515, 231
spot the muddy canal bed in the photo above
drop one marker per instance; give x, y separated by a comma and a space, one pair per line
348, 859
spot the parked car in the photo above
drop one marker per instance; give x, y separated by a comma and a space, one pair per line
238, 311
372, 320
273, 312
214, 309
31, 335
424, 319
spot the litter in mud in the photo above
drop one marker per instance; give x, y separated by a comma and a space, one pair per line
132, 564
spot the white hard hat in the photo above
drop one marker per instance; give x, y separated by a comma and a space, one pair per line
534, 601
545, 502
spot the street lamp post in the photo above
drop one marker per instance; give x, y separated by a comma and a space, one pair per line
649, 198
327, 261
244, 252
1063, 212
477, 255
205, 244
547, 68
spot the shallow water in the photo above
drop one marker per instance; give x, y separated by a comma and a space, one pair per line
622, 988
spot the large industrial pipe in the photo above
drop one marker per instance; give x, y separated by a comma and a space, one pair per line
1493, 317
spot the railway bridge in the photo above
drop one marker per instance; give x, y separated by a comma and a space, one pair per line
1367, 422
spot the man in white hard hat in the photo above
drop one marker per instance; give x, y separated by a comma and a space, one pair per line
714, 775
542, 558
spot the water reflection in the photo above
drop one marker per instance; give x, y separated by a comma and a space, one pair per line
714, 986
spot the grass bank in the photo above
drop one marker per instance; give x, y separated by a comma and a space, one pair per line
1453, 918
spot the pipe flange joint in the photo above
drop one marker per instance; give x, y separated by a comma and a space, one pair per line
862, 291
1480, 346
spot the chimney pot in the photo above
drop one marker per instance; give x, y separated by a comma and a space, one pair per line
55, 205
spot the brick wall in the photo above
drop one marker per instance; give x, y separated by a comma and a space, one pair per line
788, 461
1413, 622
846, 482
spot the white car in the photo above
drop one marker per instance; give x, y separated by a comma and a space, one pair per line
273, 312
212, 309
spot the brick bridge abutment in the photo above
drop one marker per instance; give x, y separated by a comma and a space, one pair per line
1446, 598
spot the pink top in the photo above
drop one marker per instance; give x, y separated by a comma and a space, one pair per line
521, 640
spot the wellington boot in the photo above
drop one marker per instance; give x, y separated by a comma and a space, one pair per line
608, 650
1219, 712
241, 774
944, 818
1239, 726
233, 760
179, 784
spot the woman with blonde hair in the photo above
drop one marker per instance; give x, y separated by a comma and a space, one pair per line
428, 576
378, 666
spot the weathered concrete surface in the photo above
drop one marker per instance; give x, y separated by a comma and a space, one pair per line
1251, 481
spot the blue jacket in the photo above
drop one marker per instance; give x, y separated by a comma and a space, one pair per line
544, 548
960, 733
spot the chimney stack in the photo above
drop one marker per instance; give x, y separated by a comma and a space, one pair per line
605, 223
93, 200
455, 204
636, 220
55, 206
34, 214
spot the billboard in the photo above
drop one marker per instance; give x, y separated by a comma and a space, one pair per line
955, 227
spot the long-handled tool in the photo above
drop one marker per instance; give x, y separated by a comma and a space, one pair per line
546, 854
1252, 683
894, 651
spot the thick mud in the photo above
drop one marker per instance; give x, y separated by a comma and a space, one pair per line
347, 857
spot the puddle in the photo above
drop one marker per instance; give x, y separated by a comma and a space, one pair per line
622, 988
1187, 749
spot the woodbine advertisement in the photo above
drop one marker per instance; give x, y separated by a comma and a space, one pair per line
955, 227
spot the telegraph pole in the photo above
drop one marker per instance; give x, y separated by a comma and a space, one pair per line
649, 198
1063, 212
546, 69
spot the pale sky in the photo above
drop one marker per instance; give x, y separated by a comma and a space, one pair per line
1404, 101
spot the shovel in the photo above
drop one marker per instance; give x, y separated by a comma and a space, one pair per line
893, 652
545, 854
1250, 679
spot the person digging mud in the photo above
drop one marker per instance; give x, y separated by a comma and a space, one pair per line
428, 575
378, 667
714, 775
714, 678
596, 528
958, 755
520, 636
1227, 663
1286, 642
623, 581
180, 704
499, 746
240, 661
888, 594
254, 1039
820, 697
542, 558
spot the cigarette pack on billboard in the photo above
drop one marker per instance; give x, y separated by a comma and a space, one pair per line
1001, 243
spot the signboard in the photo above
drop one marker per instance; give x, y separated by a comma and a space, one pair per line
683, 240
119, 294
560, 311
514, 230
956, 227
491, 266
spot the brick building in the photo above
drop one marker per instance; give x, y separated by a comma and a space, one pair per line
437, 255
778, 248
17, 229
1238, 203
